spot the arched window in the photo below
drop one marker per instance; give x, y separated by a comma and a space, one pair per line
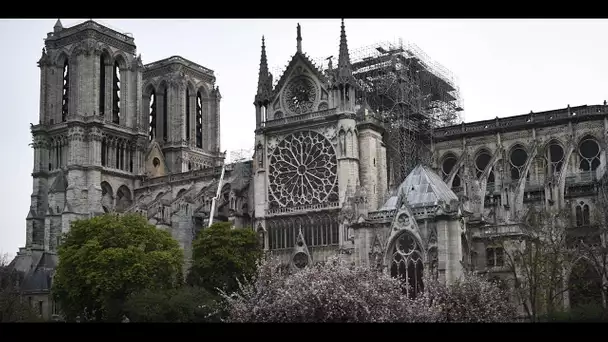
582, 214
589, 151
102, 84
165, 112
585, 285
65, 99
260, 155
579, 215
406, 264
104, 155
152, 116
449, 162
187, 114
555, 156
199, 120
481, 163
116, 112
495, 257
518, 159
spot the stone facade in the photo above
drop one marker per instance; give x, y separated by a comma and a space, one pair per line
94, 145
119, 136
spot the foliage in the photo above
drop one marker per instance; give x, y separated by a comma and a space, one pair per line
537, 261
328, 292
12, 307
106, 258
221, 255
186, 304
586, 313
470, 299
336, 292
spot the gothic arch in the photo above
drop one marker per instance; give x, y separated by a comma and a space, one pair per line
481, 161
554, 155
482, 149
584, 283
159, 195
180, 192
517, 157
124, 198
515, 145
202, 87
105, 52
162, 85
190, 86
446, 166
588, 152
587, 135
149, 87
405, 259
553, 141
107, 197
122, 60
62, 56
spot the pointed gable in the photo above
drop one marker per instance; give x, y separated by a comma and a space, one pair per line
299, 59
156, 165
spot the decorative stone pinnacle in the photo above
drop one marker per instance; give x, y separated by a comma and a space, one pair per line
299, 38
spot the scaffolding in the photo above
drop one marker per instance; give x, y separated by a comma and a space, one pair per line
408, 91
411, 94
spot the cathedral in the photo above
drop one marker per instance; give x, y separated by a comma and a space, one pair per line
118, 136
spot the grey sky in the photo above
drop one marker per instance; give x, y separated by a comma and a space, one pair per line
504, 68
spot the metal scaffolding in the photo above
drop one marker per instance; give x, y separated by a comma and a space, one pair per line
412, 94
403, 87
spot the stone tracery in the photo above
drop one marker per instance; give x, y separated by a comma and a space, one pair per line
407, 263
303, 171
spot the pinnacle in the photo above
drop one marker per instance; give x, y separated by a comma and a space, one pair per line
58, 26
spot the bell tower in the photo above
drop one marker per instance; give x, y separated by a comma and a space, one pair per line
89, 141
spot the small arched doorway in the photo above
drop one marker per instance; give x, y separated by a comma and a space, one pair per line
407, 263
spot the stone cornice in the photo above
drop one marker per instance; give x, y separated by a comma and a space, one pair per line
521, 122
176, 64
90, 29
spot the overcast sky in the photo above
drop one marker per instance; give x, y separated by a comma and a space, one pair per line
503, 67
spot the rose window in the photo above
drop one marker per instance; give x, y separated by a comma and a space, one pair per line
303, 171
300, 95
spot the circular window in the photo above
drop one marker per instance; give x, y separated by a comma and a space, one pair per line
300, 260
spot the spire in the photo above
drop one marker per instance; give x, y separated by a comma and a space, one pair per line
263, 67
345, 72
264, 77
299, 39
343, 58
58, 26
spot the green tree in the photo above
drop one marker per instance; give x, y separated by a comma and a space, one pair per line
221, 255
104, 259
184, 305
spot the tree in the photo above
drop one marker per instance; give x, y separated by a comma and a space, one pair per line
12, 307
537, 262
470, 299
324, 292
104, 259
186, 304
336, 292
221, 255
591, 244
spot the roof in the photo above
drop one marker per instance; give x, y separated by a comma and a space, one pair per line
38, 268
423, 187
